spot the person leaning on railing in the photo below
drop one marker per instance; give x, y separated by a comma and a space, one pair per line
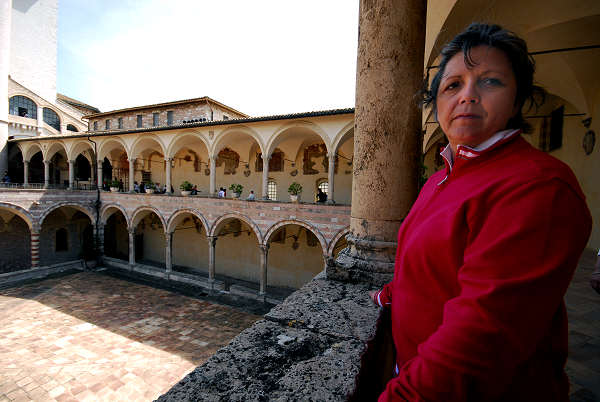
489, 247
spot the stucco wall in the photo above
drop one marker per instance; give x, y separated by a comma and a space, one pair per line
34, 46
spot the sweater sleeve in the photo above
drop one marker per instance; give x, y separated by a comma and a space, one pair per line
520, 256
384, 296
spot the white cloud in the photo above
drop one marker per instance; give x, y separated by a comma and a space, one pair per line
261, 57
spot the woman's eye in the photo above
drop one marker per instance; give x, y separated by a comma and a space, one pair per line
493, 82
451, 86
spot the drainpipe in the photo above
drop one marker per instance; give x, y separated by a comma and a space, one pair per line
97, 206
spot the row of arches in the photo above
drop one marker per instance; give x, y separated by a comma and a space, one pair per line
300, 152
232, 251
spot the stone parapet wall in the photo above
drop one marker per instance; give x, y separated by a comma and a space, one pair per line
307, 348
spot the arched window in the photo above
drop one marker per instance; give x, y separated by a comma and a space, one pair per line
71, 127
61, 240
272, 189
51, 118
323, 184
22, 106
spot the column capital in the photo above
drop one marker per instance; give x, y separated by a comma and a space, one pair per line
131, 231
264, 247
71, 161
169, 159
46, 162
331, 155
130, 160
265, 157
26, 162
212, 240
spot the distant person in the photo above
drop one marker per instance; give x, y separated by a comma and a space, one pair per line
6, 178
194, 190
251, 196
321, 196
221, 193
136, 187
120, 184
142, 188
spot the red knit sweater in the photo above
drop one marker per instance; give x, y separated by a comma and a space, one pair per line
484, 259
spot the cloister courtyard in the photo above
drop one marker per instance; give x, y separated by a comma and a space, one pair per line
92, 337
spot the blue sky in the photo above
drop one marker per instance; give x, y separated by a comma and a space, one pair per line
261, 57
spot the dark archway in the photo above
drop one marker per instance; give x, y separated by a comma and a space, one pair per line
83, 170
15, 243
15, 164
36, 168
65, 236
116, 237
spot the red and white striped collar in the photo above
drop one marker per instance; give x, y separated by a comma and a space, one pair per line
467, 152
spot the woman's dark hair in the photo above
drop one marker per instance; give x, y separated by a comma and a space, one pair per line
514, 48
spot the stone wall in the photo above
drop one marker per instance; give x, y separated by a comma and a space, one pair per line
181, 112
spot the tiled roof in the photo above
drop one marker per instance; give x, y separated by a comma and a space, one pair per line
331, 112
75, 102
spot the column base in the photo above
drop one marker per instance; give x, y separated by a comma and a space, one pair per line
363, 261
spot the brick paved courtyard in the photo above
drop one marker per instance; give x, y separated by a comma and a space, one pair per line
90, 337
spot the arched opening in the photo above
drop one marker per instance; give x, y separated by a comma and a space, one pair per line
59, 170
190, 245
237, 256
22, 106
15, 242
343, 174
304, 160
340, 244
15, 164
236, 152
71, 127
83, 169
149, 167
66, 235
36, 168
190, 163
295, 257
115, 163
149, 240
116, 237
106, 173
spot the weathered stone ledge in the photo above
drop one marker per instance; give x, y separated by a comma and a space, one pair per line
307, 348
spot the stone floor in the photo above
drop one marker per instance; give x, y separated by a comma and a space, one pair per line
89, 336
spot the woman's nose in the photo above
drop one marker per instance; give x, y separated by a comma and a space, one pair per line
469, 94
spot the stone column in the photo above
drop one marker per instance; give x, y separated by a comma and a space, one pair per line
213, 175
35, 248
264, 254
212, 245
25, 173
331, 177
169, 251
387, 138
131, 247
71, 173
99, 174
131, 174
168, 174
46, 174
100, 239
5, 32
265, 177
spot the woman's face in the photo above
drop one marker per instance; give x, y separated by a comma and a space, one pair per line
474, 103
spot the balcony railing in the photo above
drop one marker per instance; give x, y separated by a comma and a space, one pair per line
41, 186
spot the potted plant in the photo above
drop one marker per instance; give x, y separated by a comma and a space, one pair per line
150, 187
236, 190
295, 189
114, 186
186, 188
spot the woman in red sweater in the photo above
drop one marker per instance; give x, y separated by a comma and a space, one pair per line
487, 252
